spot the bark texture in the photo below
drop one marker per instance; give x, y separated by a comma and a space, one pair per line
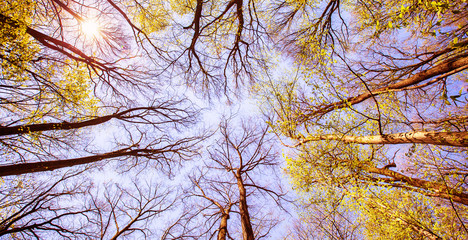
456, 139
247, 231
222, 232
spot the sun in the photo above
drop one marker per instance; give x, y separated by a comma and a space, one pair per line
90, 28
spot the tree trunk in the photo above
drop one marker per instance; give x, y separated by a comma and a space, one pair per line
223, 224
247, 231
457, 139
426, 233
21, 168
28, 128
22, 129
438, 189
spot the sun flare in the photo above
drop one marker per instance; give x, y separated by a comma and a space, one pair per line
90, 28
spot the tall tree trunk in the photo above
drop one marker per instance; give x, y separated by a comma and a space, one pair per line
247, 231
457, 139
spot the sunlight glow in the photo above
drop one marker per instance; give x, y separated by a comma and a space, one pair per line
90, 28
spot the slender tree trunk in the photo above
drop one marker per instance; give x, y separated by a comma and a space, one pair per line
5, 131
426, 233
223, 224
457, 139
437, 189
21, 168
28, 128
247, 231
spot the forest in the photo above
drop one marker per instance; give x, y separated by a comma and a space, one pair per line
239, 119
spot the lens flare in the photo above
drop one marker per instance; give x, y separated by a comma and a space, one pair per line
90, 28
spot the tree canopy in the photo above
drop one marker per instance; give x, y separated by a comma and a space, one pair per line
113, 119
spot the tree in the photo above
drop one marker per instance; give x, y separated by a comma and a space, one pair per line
221, 48
68, 208
130, 210
32, 210
236, 185
222, 200
394, 77
329, 217
242, 153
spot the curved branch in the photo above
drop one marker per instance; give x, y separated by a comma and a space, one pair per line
456, 63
